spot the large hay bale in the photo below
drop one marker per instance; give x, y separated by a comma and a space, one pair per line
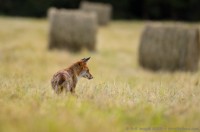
103, 11
169, 47
72, 29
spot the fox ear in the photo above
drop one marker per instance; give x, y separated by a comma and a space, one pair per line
85, 59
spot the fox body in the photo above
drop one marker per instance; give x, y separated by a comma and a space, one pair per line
66, 79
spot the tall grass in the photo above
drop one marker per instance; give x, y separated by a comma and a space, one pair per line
121, 97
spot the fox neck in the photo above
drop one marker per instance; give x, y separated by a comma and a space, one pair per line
77, 74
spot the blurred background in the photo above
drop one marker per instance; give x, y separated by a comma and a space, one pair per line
187, 10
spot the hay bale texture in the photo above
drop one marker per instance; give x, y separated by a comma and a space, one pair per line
102, 10
72, 29
169, 47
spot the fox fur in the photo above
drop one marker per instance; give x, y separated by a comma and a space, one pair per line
66, 79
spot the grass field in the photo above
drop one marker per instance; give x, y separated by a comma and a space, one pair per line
121, 97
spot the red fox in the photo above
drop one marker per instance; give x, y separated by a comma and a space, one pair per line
67, 79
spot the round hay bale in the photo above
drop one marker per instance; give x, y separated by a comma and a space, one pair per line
103, 11
72, 29
169, 47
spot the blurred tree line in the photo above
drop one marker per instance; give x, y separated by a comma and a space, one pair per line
122, 9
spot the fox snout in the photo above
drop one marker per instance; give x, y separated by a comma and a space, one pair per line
91, 77
87, 75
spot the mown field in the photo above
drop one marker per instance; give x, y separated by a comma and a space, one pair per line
121, 97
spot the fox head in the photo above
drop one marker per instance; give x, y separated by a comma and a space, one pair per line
83, 69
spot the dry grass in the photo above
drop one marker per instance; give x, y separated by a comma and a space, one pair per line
121, 95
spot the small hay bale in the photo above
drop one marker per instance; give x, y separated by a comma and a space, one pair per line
169, 47
72, 29
103, 11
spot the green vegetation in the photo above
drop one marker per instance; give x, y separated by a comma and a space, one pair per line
121, 97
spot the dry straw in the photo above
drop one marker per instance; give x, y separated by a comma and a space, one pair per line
72, 29
169, 47
102, 10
